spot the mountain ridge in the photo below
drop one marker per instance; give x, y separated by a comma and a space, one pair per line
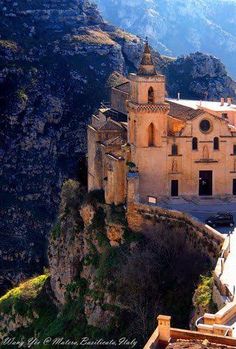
179, 27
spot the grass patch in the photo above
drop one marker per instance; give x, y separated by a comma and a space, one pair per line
203, 294
95, 37
21, 297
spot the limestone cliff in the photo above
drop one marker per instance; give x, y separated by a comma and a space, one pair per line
55, 59
105, 279
199, 76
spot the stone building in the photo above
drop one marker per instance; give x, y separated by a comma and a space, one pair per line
145, 146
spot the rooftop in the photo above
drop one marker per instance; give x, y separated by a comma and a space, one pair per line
182, 112
196, 104
114, 114
195, 344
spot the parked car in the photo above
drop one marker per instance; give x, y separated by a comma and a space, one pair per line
221, 219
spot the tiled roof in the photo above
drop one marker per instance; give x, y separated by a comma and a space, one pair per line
195, 344
182, 112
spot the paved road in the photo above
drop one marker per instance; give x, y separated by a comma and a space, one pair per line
203, 209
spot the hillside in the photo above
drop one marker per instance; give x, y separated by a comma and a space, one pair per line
105, 279
55, 59
179, 27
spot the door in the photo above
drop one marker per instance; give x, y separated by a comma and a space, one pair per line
174, 188
234, 186
205, 183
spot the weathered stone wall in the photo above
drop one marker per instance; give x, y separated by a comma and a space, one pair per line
144, 217
118, 100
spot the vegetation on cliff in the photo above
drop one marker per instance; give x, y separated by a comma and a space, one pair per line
203, 298
106, 280
27, 309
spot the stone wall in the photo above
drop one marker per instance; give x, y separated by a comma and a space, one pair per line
118, 100
143, 217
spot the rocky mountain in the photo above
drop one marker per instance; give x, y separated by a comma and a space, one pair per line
55, 60
179, 27
105, 277
198, 76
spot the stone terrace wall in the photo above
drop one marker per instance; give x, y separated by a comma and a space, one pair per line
143, 217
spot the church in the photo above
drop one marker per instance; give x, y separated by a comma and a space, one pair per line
144, 147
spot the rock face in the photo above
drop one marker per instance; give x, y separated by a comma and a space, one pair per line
199, 76
179, 27
106, 280
75, 247
55, 59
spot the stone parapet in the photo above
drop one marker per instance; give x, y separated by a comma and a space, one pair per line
162, 213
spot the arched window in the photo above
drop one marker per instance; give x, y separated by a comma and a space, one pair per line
194, 143
216, 143
150, 95
151, 135
174, 149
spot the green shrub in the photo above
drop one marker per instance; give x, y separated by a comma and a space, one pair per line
56, 231
203, 294
102, 239
21, 298
108, 262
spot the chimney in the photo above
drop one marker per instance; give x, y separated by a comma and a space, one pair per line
178, 97
164, 328
222, 102
229, 101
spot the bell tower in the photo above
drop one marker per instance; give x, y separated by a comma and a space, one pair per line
147, 129
147, 109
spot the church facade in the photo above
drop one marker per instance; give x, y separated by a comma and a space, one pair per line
145, 147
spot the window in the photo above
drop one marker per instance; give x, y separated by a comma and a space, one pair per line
150, 95
194, 143
216, 143
234, 149
174, 149
205, 125
151, 135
